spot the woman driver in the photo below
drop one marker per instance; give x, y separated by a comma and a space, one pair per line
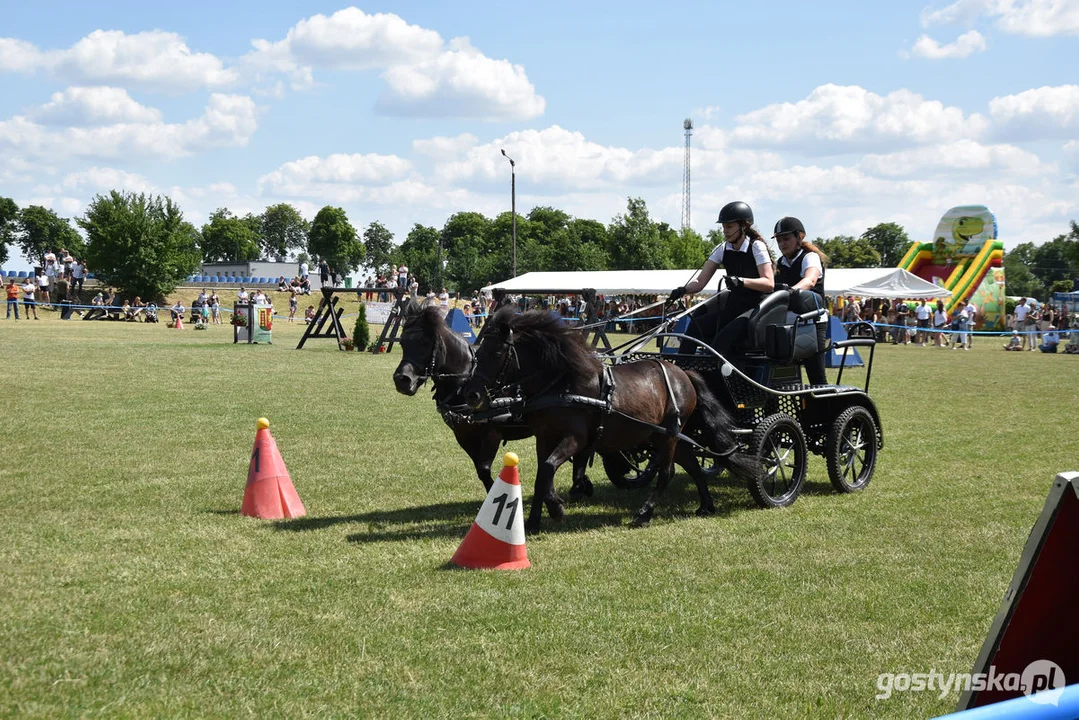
745, 258
801, 267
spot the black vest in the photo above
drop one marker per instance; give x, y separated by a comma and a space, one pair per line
792, 275
740, 263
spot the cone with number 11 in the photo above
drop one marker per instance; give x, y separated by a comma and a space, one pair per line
496, 540
270, 493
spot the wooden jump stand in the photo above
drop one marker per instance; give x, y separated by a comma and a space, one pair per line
586, 316
329, 312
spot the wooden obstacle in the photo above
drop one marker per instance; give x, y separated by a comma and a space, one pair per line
327, 320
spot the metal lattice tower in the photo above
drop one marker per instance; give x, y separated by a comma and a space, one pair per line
687, 125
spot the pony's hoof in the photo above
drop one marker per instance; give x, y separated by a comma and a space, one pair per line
557, 511
532, 526
643, 517
582, 489
703, 511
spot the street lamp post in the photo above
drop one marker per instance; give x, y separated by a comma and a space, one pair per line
513, 206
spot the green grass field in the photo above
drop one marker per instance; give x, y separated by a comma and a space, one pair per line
130, 585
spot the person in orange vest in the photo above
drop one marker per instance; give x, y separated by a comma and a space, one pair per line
12, 298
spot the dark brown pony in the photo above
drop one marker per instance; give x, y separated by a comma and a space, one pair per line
430, 350
536, 356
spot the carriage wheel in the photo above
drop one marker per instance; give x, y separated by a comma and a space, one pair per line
851, 449
780, 446
631, 469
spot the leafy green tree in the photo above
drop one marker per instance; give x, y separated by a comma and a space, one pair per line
687, 249
1062, 286
890, 240
1053, 261
282, 229
40, 230
419, 252
590, 239
378, 247
847, 251
227, 238
634, 241
465, 227
334, 239
9, 215
140, 243
1019, 280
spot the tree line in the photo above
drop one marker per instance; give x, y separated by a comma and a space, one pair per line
141, 244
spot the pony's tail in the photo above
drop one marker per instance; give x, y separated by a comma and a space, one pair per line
717, 425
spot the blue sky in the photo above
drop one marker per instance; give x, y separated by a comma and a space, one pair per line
845, 114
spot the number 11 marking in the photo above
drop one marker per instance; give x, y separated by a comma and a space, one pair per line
501, 502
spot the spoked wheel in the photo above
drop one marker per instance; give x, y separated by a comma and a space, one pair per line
851, 449
634, 468
780, 446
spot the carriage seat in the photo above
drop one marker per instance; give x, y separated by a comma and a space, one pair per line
783, 327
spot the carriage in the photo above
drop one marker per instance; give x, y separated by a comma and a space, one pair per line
781, 419
756, 420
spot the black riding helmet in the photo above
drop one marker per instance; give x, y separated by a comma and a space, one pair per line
735, 212
788, 225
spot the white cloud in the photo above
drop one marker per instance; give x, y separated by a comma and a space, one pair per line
103, 179
337, 175
1038, 113
445, 148
155, 60
228, 120
424, 76
958, 156
19, 56
965, 45
1071, 151
93, 106
352, 40
461, 82
852, 116
565, 159
1034, 18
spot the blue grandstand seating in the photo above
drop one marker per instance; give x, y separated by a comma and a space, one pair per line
22, 274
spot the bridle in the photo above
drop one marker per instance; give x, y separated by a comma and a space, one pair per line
497, 386
439, 347
494, 386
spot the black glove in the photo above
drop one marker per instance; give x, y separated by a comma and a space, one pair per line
676, 294
733, 281
782, 286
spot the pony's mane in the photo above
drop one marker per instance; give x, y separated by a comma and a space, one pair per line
560, 348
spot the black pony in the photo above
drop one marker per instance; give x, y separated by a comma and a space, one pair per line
536, 356
430, 350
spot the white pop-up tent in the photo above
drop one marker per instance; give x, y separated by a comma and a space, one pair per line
864, 282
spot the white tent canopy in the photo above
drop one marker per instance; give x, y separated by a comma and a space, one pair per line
866, 282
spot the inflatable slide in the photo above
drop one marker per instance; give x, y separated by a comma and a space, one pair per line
967, 258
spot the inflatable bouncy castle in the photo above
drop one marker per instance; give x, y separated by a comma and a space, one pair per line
965, 257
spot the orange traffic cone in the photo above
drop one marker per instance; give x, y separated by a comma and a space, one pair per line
496, 540
269, 493
179, 322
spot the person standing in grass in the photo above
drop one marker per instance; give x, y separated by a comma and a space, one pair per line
1022, 311
28, 289
13, 299
43, 287
940, 323
215, 308
292, 305
922, 313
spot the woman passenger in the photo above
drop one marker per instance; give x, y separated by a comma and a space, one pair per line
801, 267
